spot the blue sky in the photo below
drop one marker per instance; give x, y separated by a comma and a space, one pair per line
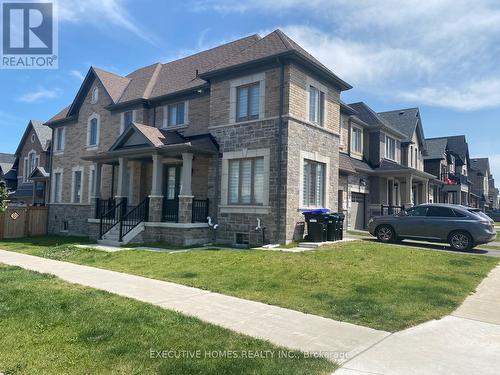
440, 55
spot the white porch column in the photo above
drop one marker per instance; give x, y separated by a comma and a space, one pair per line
156, 189
187, 167
425, 192
122, 188
407, 196
97, 180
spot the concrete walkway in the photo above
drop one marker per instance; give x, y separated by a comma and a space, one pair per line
288, 328
466, 342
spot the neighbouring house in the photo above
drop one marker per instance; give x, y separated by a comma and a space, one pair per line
448, 159
479, 174
493, 193
8, 176
381, 162
246, 133
33, 165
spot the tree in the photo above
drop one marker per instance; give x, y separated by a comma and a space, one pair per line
4, 198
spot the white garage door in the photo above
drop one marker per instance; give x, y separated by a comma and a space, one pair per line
357, 211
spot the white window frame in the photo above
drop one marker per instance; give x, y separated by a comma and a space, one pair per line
243, 154
186, 115
98, 118
27, 168
62, 130
73, 173
33, 138
94, 95
317, 157
387, 138
312, 82
54, 198
122, 119
233, 86
353, 132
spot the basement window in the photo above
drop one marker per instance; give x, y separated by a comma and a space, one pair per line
242, 239
65, 226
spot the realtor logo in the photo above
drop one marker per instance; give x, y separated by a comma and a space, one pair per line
29, 35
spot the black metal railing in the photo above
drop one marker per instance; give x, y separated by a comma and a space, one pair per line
171, 210
103, 205
134, 217
200, 210
386, 209
454, 178
112, 217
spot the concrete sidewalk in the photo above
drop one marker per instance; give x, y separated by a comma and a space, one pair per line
466, 342
288, 328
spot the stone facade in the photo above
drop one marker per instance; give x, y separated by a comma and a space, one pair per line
213, 111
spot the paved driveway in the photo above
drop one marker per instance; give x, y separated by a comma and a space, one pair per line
466, 342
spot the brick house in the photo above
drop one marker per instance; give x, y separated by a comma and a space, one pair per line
381, 162
448, 159
480, 175
246, 133
33, 165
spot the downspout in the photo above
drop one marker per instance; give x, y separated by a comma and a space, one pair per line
280, 139
49, 183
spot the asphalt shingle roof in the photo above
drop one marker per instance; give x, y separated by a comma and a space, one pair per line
405, 120
481, 164
371, 118
436, 148
43, 132
457, 144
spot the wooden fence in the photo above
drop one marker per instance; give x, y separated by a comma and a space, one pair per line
18, 222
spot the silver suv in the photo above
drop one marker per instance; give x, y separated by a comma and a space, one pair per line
457, 225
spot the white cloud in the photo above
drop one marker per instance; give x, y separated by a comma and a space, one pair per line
435, 52
77, 74
39, 95
103, 13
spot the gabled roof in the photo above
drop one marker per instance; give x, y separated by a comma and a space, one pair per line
273, 45
39, 173
150, 136
6, 162
190, 73
481, 164
457, 145
436, 148
43, 133
407, 121
372, 119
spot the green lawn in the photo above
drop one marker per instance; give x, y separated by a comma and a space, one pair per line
52, 327
384, 287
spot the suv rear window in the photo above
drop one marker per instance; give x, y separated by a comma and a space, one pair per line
440, 212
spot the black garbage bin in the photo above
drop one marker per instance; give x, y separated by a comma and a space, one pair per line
340, 226
332, 223
316, 225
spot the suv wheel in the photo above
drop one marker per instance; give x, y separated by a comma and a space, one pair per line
385, 233
461, 241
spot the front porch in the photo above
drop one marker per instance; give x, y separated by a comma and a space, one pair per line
399, 190
156, 192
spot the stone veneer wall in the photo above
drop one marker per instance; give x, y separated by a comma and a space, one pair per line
308, 138
76, 216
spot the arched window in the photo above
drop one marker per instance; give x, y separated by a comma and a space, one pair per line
93, 130
95, 95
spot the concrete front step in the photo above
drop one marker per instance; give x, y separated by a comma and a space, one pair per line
108, 242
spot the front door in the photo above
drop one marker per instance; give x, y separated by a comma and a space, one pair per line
171, 189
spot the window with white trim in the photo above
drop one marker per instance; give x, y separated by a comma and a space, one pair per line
248, 102
95, 95
91, 182
30, 163
313, 187
59, 139
316, 105
128, 117
390, 148
57, 190
77, 186
93, 130
246, 181
176, 114
357, 140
